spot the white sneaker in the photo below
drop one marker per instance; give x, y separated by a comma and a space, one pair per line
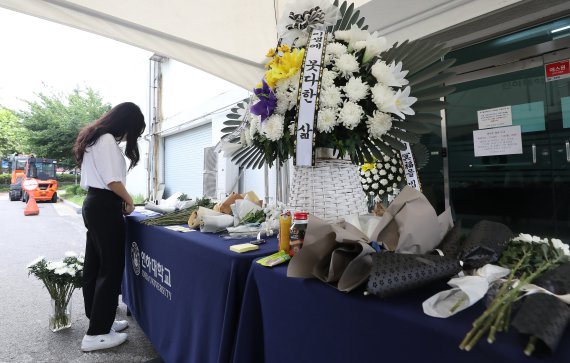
104, 341
120, 325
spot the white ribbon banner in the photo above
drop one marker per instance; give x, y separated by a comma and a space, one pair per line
412, 178
307, 98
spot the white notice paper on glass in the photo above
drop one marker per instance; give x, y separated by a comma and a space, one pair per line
498, 141
495, 117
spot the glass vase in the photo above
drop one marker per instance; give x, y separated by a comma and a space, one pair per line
60, 315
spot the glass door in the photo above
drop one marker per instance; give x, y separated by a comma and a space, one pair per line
515, 188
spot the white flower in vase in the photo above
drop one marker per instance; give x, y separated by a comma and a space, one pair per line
347, 64
351, 114
331, 97
390, 75
379, 124
336, 49
351, 36
272, 127
355, 89
326, 120
400, 103
382, 95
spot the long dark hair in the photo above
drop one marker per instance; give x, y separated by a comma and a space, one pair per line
125, 120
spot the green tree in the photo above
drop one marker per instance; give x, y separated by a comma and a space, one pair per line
54, 121
11, 133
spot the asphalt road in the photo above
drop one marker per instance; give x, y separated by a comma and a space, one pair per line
24, 302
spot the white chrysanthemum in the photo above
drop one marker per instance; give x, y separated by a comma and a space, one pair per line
381, 95
331, 97
375, 177
355, 89
336, 49
282, 105
390, 75
272, 127
60, 271
374, 45
55, 265
328, 78
379, 124
326, 120
71, 271
34, 262
383, 181
382, 172
351, 36
375, 186
561, 246
523, 237
350, 115
400, 103
347, 64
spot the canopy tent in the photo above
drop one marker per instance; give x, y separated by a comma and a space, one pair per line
229, 38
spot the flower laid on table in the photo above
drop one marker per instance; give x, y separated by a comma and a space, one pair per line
528, 257
60, 278
380, 177
363, 103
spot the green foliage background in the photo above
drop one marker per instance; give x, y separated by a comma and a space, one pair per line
53, 122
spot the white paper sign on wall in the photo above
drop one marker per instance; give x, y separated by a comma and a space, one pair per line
498, 141
495, 117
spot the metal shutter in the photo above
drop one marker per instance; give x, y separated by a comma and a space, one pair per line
184, 161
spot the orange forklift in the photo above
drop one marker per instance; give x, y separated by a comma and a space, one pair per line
43, 170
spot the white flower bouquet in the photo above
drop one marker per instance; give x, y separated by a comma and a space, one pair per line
60, 278
366, 90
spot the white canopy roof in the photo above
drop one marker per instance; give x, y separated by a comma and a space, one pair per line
228, 38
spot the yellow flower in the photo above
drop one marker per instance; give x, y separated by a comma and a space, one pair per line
284, 66
270, 53
284, 48
367, 167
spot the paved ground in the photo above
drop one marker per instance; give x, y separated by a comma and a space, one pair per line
24, 302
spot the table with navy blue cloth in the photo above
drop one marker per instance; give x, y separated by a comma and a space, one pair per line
287, 320
185, 290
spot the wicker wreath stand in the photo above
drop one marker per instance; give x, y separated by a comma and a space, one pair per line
329, 190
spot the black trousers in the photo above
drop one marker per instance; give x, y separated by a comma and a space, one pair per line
104, 258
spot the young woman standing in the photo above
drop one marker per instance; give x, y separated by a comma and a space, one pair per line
103, 175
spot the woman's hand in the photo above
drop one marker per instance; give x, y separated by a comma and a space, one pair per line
128, 208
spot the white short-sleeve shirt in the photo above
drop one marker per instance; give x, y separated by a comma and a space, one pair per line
103, 163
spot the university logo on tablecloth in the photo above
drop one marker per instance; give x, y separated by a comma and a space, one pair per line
136, 258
